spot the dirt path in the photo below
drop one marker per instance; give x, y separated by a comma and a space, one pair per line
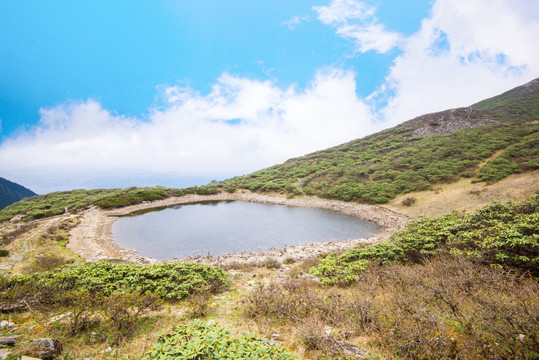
93, 239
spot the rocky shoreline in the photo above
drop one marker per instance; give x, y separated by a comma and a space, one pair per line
93, 238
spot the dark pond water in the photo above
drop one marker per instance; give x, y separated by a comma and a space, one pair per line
225, 227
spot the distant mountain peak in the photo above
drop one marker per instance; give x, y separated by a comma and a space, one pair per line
11, 192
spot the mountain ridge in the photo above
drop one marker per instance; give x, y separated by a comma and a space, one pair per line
408, 157
11, 192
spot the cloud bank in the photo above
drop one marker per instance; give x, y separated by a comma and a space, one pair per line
241, 125
463, 52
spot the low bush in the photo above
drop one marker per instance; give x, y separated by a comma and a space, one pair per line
172, 280
454, 309
115, 314
203, 341
499, 234
45, 263
208, 190
441, 308
57, 203
408, 201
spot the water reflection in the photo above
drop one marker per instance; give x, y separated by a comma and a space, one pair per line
223, 227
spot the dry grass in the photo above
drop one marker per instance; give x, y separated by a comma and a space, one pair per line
44, 240
463, 195
442, 309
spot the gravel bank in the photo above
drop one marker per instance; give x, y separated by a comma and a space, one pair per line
93, 239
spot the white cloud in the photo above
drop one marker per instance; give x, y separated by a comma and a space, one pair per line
464, 52
295, 21
356, 21
240, 126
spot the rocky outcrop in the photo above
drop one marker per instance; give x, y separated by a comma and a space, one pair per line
448, 122
46, 348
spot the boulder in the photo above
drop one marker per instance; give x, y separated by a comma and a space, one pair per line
8, 340
48, 348
5, 323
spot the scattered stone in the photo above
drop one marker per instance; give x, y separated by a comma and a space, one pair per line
3, 354
48, 348
211, 322
16, 218
5, 324
15, 258
181, 312
59, 317
9, 340
273, 342
7, 308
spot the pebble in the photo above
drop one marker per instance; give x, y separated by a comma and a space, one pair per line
181, 312
59, 317
5, 324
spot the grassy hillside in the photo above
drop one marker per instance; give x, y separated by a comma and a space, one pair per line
433, 148
453, 287
430, 149
57, 203
11, 192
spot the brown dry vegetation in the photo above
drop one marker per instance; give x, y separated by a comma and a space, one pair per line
442, 309
38, 245
463, 195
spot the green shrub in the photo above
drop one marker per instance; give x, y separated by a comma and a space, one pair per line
116, 313
498, 234
4, 253
208, 190
56, 203
377, 168
171, 280
201, 341
497, 169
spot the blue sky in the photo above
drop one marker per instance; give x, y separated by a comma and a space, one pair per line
106, 90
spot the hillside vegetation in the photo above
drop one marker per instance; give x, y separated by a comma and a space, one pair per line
430, 149
458, 286
58, 203
11, 192
504, 235
453, 287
